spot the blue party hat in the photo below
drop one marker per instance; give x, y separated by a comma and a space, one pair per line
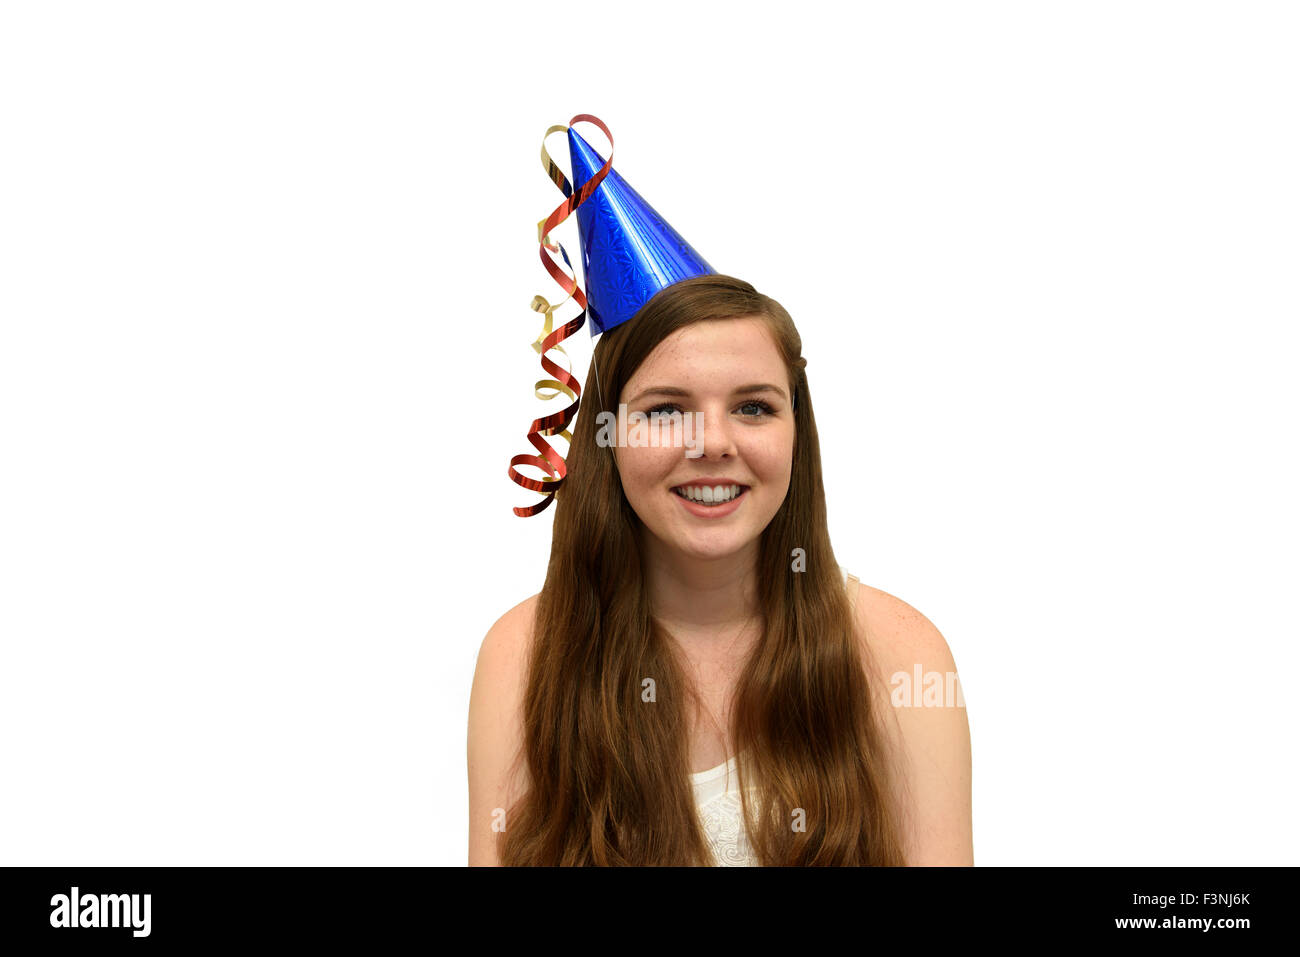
629, 252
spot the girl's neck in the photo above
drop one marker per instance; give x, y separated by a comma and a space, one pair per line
702, 597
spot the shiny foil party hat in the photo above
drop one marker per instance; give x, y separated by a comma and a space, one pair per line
629, 253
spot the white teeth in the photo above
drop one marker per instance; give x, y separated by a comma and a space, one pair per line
708, 495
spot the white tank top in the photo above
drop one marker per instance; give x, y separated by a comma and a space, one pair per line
717, 796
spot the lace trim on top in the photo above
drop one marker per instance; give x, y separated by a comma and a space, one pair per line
717, 796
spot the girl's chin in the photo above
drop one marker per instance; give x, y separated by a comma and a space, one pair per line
708, 543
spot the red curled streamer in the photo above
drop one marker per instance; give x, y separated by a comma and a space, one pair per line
550, 461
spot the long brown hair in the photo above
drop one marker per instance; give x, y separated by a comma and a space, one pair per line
607, 774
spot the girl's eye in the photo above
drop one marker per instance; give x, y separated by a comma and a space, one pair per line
664, 409
762, 407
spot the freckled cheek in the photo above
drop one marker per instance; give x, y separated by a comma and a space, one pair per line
645, 470
769, 458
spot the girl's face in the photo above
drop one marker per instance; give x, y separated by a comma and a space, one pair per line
729, 373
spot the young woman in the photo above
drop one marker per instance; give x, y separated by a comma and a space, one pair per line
699, 681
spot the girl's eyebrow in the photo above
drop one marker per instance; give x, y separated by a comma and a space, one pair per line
743, 390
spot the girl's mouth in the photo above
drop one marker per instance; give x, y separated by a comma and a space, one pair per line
711, 501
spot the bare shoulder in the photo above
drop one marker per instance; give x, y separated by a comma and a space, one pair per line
917, 691
896, 632
510, 636
495, 736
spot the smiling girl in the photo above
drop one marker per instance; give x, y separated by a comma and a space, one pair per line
699, 681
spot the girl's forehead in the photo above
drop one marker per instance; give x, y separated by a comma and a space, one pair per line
713, 348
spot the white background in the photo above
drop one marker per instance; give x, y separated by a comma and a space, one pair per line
265, 274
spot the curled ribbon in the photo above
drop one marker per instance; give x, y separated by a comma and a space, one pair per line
550, 461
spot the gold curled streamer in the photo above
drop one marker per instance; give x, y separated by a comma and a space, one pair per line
542, 306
